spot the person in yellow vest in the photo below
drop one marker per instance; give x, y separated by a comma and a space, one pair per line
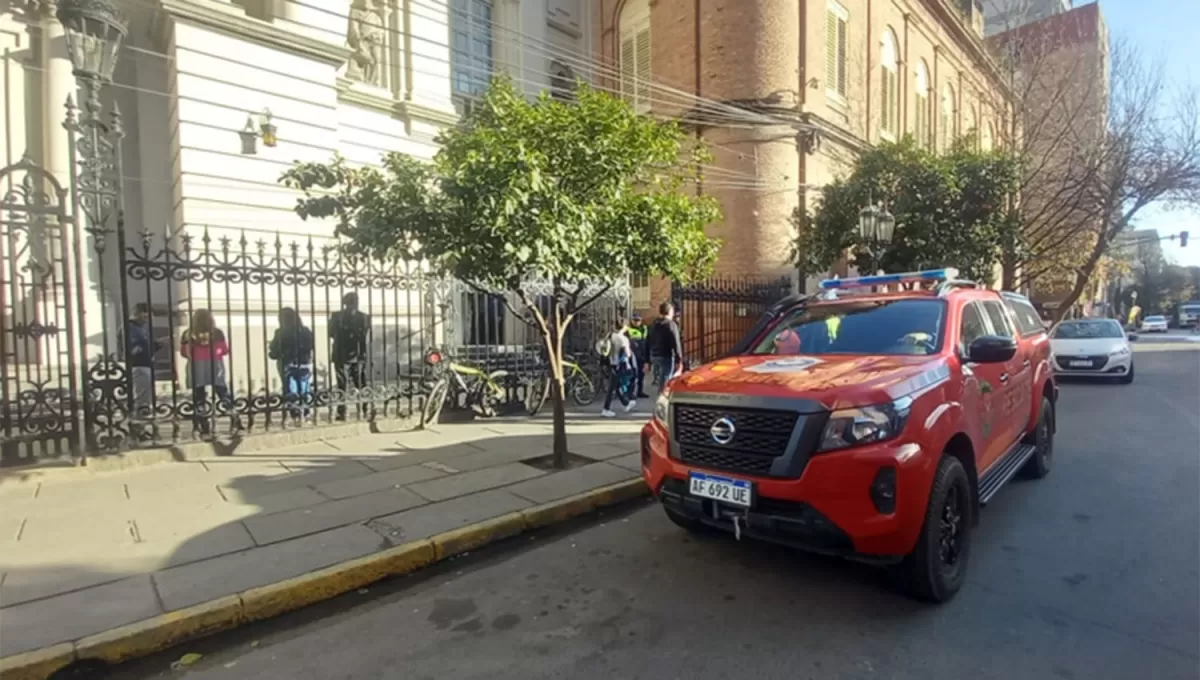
637, 337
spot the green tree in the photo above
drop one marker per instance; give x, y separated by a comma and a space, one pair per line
575, 193
950, 210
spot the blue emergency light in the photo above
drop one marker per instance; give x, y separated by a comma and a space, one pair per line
945, 274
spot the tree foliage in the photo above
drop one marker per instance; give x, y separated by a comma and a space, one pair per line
950, 210
577, 194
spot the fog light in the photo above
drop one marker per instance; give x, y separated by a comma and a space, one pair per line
883, 490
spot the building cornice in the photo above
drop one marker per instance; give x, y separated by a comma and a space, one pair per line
232, 20
972, 44
352, 92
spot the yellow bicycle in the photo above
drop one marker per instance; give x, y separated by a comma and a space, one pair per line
577, 384
449, 379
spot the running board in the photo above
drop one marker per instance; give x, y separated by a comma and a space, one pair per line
998, 476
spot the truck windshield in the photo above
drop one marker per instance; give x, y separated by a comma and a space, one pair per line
1086, 330
903, 326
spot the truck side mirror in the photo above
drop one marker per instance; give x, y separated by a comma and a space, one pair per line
992, 349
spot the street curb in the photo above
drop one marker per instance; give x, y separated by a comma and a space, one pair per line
167, 630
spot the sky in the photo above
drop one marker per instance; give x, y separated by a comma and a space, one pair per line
1165, 31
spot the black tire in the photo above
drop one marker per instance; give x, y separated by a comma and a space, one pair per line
536, 394
434, 402
928, 573
484, 401
1127, 379
583, 390
1042, 439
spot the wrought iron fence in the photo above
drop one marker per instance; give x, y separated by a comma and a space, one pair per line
220, 333
715, 314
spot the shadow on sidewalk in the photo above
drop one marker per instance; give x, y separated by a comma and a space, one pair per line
262, 517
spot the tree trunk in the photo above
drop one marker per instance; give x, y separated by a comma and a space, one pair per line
554, 350
1081, 281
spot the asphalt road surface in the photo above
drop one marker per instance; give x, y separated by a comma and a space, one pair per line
1091, 573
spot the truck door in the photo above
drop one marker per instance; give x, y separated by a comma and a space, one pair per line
1016, 380
982, 388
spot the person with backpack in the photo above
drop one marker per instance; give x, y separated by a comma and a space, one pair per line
292, 349
620, 362
350, 331
205, 348
664, 345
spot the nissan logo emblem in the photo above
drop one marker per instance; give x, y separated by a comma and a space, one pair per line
722, 431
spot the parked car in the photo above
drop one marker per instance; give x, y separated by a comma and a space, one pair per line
1154, 324
1093, 348
862, 424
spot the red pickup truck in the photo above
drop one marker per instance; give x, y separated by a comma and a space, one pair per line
864, 423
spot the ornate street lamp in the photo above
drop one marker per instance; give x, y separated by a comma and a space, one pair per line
95, 30
876, 227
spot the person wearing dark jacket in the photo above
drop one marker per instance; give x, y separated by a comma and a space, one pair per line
664, 345
292, 350
636, 331
140, 347
350, 331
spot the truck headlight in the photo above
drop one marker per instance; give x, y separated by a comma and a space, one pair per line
661, 405
865, 425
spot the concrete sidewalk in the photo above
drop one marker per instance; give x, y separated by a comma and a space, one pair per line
84, 552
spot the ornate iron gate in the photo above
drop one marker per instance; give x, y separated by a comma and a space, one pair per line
715, 314
40, 409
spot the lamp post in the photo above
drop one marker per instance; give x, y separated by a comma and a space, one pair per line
876, 227
94, 31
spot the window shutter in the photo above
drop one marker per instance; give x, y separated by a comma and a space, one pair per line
841, 57
643, 69
628, 68
831, 51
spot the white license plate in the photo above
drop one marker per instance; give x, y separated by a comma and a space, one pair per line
724, 489
1079, 364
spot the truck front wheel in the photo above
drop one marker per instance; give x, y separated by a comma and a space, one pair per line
937, 566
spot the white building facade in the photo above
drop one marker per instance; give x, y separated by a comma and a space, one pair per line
217, 99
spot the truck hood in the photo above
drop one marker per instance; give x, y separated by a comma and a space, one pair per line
834, 381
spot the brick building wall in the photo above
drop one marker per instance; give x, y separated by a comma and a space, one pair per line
775, 54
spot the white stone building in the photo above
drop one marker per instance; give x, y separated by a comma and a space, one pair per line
196, 80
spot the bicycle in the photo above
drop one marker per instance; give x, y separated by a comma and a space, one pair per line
483, 389
576, 383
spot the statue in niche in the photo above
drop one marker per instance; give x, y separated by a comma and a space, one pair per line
367, 38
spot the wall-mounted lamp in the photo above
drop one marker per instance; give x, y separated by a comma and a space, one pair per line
266, 128
251, 133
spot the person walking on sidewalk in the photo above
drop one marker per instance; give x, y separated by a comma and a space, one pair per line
292, 349
637, 337
350, 330
620, 362
664, 345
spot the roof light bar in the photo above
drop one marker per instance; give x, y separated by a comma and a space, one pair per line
945, 274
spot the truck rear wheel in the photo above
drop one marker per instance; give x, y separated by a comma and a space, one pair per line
937, 566
1042, 439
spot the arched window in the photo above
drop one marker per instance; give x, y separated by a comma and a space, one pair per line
947, 131
971, 125
634, 29
989, 136
921, 102
889, 62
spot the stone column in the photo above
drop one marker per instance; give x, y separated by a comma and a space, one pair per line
58, 83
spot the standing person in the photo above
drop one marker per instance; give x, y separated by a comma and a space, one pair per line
205, 348
292, 350
350, 330
140, 347
664, 345
637, 336
620, 362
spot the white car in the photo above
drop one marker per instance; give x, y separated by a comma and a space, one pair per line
1154, 324
1092, 348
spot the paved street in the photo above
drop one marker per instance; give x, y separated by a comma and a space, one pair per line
1090, 573
84, 552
